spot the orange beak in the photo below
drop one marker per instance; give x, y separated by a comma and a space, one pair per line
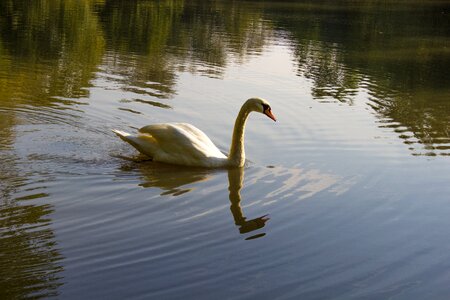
268, 112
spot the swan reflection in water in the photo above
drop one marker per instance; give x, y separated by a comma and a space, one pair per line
235, 180
286, 184
176, 180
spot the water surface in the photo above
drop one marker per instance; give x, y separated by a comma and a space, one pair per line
345, 197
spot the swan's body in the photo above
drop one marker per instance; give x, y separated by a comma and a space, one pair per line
176, 143
185, 144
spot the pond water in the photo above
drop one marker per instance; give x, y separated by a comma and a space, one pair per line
354, 176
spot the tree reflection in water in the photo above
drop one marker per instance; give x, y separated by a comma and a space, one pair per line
51, 51
29, 257
399, 56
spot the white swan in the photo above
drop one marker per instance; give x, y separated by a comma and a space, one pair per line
184, 144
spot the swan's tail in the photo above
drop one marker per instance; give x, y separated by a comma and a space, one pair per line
143, 143
126, 137
121, 134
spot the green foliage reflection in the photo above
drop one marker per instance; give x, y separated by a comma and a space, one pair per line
398, 51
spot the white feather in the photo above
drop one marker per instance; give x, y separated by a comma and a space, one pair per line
185, 144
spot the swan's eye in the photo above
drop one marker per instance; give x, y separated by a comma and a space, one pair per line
265, 107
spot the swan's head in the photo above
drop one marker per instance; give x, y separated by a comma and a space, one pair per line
261, 106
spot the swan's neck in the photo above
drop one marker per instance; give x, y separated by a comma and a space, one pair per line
237, 151
235, 180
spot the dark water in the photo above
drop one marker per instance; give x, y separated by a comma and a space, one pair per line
354, 177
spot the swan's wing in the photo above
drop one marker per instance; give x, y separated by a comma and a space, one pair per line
183, 141
201, 139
